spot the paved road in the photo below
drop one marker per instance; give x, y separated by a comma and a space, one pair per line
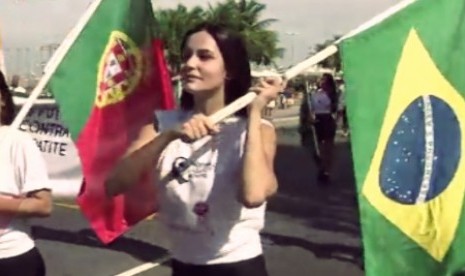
310, 230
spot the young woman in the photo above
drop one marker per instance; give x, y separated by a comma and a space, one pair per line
324, 107
24, 193
213, 180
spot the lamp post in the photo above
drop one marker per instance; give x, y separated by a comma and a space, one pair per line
292, 35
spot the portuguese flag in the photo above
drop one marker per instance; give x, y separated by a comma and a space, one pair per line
108, 85
405, 81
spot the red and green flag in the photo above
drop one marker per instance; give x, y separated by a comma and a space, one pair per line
108, 85
405, 81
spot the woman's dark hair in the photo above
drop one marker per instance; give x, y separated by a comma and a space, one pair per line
236, 60
7, 114
329, 86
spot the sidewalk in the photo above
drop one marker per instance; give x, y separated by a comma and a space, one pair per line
286, 117
291, 111
289, 118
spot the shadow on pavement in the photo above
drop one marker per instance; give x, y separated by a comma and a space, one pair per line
141, 250
331, 207
339, 252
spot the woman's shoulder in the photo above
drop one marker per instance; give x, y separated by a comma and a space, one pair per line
16, 139
14, 134
241, 122
167, 119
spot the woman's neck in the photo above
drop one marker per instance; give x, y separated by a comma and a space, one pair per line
209, 105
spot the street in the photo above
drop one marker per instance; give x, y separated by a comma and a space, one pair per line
310, 229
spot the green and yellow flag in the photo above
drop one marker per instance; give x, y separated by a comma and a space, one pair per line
405, 80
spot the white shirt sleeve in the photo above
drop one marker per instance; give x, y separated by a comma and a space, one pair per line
30, 166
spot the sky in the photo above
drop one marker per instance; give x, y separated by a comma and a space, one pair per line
27, 24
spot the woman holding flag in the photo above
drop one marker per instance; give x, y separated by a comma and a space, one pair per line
213, 180
24, 193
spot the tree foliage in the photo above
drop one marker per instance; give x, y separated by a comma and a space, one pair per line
244, 16
332, 62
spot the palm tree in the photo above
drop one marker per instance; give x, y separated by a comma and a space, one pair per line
261, 46
172, 24
334, 61
244, 16
251, 12
223, 13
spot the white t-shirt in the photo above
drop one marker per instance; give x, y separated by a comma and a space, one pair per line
22, 170
204, 219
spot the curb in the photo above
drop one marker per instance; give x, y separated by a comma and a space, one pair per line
286, 122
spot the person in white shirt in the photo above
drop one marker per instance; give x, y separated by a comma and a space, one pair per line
324, 103
24, 193
213, 180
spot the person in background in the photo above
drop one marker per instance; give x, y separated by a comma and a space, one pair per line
324, 102
306, 127
283, 98
15, 82
342, 110
213, 180
24, 193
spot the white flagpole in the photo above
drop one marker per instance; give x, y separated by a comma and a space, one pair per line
378, 19
56, 59
315, 59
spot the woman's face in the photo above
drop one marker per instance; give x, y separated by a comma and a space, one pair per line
203, 68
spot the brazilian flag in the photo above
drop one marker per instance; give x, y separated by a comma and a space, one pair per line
405, 81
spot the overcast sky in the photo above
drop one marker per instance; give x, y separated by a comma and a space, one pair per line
30, 23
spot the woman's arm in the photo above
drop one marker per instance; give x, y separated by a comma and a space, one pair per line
144, 153
35, 204
140, 157
35, 199
259, 180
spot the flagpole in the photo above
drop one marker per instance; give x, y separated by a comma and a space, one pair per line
332, 49
56, 59
289, 74
315, 59
377, 19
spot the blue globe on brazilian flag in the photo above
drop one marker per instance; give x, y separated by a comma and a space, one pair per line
405, 82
